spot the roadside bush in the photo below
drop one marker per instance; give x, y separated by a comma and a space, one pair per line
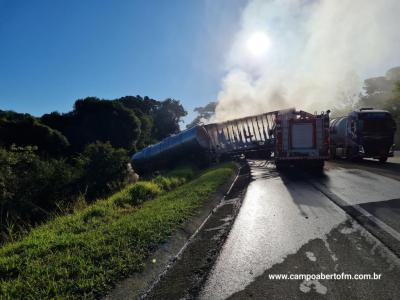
31, 187
143, 191
138, 193
168, 183
146, 190
104, 169
83, 255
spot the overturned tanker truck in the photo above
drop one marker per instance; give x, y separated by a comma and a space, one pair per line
289, 137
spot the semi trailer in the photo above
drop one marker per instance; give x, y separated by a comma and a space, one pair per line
365, 133
289, 137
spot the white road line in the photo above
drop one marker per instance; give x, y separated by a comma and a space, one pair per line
340, 202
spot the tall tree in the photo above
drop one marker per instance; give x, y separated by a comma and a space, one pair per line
167, 118
393, 106
378, 90
204, 113
97, 120
143, 108
26, 130
137, 103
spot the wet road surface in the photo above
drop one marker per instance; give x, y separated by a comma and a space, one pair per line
299, 224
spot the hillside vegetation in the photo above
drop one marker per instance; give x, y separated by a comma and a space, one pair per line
81, 255
49, 163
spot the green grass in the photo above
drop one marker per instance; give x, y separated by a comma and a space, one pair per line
83, 254
186, 172
138, 193
168, 183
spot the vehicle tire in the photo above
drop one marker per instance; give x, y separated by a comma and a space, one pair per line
383, 159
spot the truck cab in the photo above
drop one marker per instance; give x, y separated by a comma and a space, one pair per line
374, 132
364, 133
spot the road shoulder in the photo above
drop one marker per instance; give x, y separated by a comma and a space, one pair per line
169, 254
185, 276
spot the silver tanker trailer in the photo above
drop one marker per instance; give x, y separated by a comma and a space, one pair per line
364, 133
192, 144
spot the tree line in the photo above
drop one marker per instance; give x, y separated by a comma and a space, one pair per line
47, 163
382, 92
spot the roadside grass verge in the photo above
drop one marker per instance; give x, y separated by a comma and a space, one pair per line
82, 255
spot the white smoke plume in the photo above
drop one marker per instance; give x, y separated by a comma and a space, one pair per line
319, 51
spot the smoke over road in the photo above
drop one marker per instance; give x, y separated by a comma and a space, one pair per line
317, 54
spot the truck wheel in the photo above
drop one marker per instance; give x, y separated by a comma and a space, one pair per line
383, 159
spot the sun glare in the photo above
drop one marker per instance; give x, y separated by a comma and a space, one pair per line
258, 43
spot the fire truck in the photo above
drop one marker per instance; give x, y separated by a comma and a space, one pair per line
301, 139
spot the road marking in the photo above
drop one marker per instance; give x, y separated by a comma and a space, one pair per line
341, 203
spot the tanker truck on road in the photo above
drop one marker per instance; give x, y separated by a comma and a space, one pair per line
289, 137
366, 133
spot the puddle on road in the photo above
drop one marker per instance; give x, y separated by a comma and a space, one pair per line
278, 216
349, 260
271, 225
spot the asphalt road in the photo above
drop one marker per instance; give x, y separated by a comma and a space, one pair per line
346, 221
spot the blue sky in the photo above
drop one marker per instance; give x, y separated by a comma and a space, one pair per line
54, 52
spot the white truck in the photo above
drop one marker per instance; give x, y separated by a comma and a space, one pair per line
301, 139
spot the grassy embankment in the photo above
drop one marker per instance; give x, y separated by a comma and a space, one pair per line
83, 254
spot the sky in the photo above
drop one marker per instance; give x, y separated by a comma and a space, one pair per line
251, 56
54, 52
